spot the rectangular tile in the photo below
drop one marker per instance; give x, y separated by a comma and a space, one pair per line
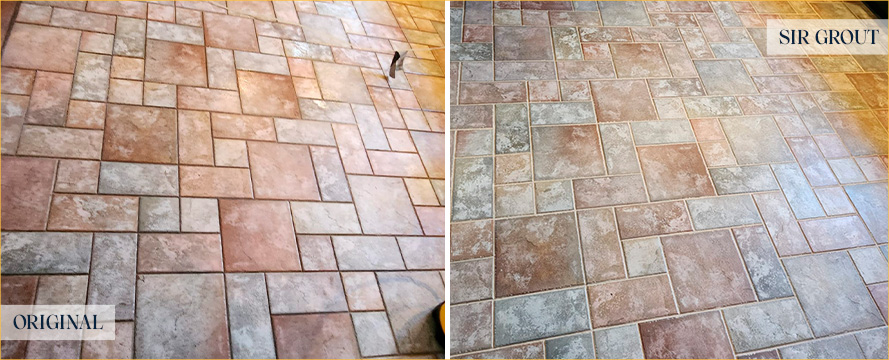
627, 301
743, 179
800, 196
836, 233
64, 253
556, 313
293, 293
248, 310
762, 262
723, 211
652, 219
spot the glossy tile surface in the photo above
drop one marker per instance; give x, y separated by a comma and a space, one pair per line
246, 169
710, 200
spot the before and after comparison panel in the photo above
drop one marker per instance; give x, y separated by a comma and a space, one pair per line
431, 179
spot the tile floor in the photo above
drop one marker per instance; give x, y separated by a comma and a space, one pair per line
635, 179
261, 183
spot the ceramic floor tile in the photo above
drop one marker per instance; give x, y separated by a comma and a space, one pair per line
706, 271
674, 171
521, 243
699, 335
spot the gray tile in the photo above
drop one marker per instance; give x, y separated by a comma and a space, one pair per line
579, 346
60, 253
525, 318
196, 302
873, 343
362, 291
567, 43
524, 70
725, 77
526, 351
129, 37
644, 257
832, 273
619, 343
762, 262
374, 334
474, 323
310, 217
562, 113
472, 280
158, 214
870, 263
841, 347
421, 253
811, 114
623, 13
513, 133
472, 51
735, 50
91, 77
113, 273
743, 179
554, 196
799, 195
291, 293
846, 171
620, 153
522, 43
662, 132
410, 298
477, 71
512, 200
723, 211
473, 189
200, 215
726, 14
609, 191
710, 106
249, 319
138, 179
367, 253
871, 202
756, 140
762, 325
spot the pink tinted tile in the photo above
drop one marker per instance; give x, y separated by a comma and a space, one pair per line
652, 219
707, 129
717, 153
179, 253
28, 45
49, 99
194, 98
258, 236
675, 171
282, 171
432, 219
86, 115
27, 188
696, 336
175, 63
622, 100
692, 258
135, 133
77, 176
195, 139
543, 90
230, 32
267, 94
94, 213
200, 181
631, 300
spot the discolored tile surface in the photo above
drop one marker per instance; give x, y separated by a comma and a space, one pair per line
674, 171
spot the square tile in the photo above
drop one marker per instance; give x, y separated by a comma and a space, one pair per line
268, 94
530, 260
175, 63
258, 236
282, 171
698, 335
197, 300
693, 261
622, 100
639, 61
143, 134
674, 172
566, 152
